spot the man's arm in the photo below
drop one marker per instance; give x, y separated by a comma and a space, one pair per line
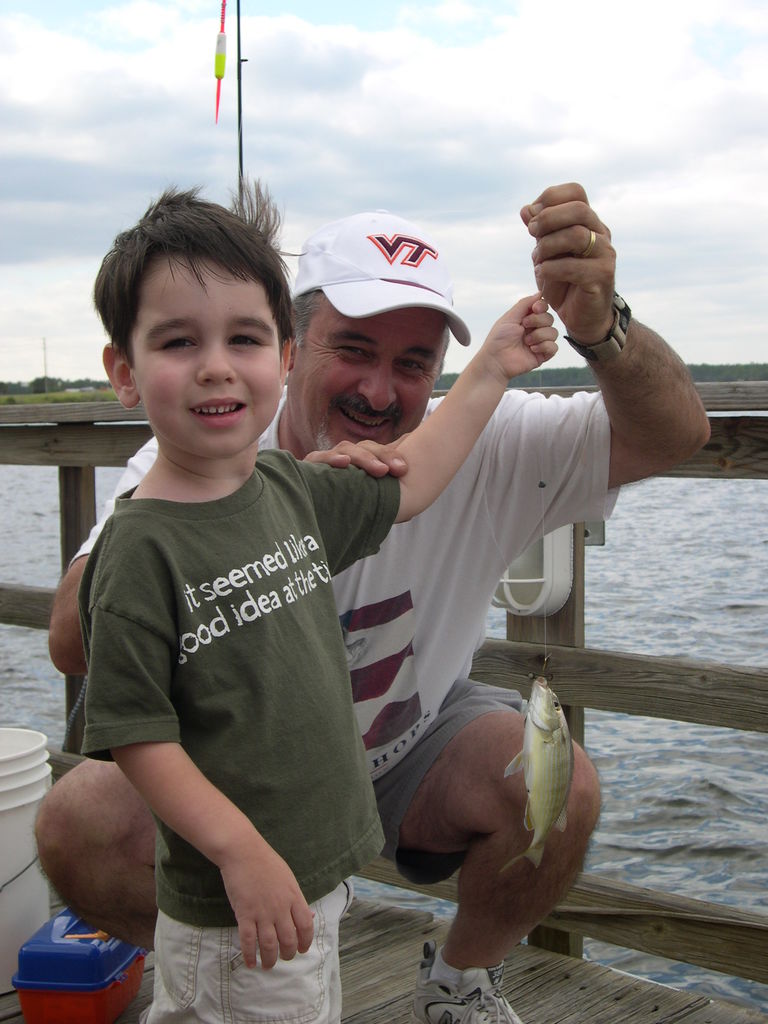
657, 418
65, 644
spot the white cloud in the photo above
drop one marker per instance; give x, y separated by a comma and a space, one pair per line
455, 114
450, 12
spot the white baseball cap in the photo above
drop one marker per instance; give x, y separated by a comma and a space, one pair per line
375, 262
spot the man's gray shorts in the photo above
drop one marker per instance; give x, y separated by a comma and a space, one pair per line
466, 700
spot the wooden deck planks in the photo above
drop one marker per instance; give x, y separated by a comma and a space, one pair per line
380, 951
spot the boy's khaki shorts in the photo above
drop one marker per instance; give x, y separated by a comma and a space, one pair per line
200, 977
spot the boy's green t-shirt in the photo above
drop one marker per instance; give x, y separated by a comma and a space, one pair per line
214, 625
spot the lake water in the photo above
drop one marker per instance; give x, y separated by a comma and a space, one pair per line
684, 572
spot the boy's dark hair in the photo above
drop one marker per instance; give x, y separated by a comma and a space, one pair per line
182, 227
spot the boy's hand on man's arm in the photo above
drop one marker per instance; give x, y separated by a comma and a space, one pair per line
376, 459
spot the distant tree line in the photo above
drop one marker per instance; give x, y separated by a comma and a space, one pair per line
569, 376
579, 376
41, 385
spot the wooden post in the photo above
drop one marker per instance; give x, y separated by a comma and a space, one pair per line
566, 628
77, 514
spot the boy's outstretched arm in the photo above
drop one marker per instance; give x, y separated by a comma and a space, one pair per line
273, 917
519, 341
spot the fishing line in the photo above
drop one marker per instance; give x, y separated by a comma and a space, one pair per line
19, 873
542, 507
74, 712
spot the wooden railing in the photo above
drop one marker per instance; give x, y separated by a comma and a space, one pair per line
76, 438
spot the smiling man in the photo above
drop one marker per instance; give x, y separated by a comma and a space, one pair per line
373, 312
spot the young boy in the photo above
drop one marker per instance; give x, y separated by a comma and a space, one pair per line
217, 677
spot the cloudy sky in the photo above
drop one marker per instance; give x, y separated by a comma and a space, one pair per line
453, 114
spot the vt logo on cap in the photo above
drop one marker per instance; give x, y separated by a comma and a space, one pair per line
343, 260
392, 246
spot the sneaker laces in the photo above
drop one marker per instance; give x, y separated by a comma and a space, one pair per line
489, 1007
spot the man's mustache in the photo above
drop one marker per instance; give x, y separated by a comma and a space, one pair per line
357, 404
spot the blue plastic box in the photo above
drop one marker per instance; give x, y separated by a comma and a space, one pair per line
70, 974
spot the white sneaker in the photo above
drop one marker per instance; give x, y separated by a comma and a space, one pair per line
477, 1000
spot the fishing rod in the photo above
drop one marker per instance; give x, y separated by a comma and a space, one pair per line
239, 110
220, 59
219, 67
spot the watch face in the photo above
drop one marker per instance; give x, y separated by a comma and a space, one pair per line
623, 316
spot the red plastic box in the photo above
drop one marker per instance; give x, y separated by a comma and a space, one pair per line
70, 974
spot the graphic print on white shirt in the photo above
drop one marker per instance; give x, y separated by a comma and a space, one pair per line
379, 643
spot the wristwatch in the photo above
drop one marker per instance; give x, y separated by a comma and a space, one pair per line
612, 345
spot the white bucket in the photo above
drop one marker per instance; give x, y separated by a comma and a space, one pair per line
25, 776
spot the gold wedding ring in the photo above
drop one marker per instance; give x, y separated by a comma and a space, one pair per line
590, 246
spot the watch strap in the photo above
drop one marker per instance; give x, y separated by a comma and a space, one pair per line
612, 345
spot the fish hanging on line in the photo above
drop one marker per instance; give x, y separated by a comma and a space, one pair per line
546, 761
